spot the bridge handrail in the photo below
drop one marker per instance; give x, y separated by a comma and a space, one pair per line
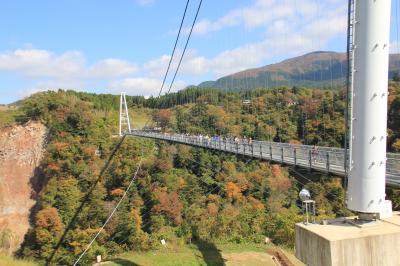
329, 159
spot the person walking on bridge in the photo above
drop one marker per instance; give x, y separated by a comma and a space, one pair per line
314, 153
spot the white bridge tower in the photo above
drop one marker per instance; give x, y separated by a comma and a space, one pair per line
362, 241
367, 168
124, 123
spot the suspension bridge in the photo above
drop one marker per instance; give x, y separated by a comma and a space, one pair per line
326, 159
363, 159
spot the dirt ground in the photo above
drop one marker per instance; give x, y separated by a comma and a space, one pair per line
254, 259
248, 258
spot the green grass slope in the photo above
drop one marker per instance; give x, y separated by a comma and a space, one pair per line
7, 260
203, 254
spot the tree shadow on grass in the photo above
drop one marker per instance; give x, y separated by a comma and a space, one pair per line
210, 253
124, 262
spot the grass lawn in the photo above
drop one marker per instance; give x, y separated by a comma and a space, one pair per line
203, 253
6, 259
139, 117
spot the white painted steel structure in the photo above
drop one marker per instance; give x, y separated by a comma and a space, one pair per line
329, 160
366, 187
123, 115
368, 163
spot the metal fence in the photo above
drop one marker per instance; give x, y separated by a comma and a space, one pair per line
325, 159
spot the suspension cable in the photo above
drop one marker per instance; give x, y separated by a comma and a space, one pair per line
189, 191
186, 44
216, 187
83, 202
397, 25
111, 214
348, 85
173, 50
180, 60
139, 165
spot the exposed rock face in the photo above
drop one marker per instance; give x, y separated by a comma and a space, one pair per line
21, 149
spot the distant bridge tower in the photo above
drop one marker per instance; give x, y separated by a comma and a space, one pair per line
366, 188
124, 123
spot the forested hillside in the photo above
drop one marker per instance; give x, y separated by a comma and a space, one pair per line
181, 194
298, 115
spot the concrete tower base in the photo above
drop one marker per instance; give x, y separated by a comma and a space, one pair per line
340, 244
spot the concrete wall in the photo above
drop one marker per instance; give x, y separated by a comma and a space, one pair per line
346, 245
311, 248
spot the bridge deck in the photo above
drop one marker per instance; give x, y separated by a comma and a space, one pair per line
330, 160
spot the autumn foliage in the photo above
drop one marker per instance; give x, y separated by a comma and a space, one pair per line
233, 191
163, 117
50, 220
169, 204
180, 193
276, 170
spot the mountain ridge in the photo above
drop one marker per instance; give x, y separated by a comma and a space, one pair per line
316, 69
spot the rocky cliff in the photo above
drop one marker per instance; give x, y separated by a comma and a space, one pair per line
21, 149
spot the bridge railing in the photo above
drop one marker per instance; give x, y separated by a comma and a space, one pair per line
323, 158
393, 163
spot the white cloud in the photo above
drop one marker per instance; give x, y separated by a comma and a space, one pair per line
35, 63
394, 47
145, 2
41, 63
68, 70
157, 67
314, 21
289, 28
260, 14
111, 68
292, 27
142, 86
192, 64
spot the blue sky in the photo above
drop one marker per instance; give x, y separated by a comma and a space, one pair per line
124, 45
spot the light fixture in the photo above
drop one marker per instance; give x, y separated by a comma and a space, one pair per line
304, 195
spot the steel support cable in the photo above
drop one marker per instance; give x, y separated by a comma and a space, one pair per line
216, 187
212, 190
173, 50
139, 165
184, 50
148, 212
304, 185
209, 192
397, 25
85, 199
332, 113
186, 44
172, 55
134, 177
205, 195
331, 94
180, 60
111, 214
309, 180
348, 81
322, 107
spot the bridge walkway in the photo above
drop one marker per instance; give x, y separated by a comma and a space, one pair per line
326, 159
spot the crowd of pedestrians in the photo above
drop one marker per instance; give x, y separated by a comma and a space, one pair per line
207, 139
215, 140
